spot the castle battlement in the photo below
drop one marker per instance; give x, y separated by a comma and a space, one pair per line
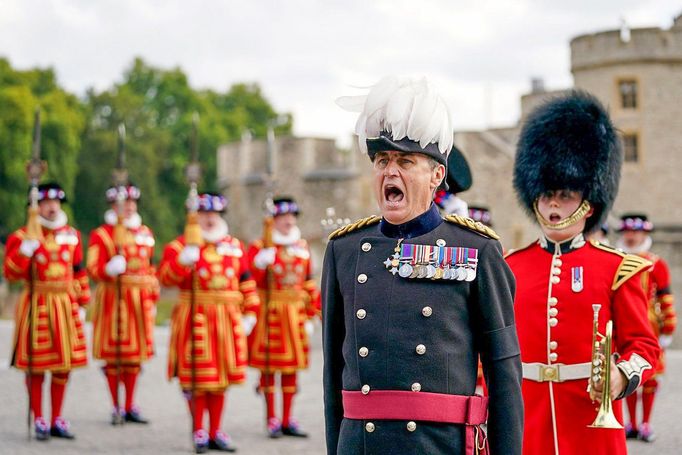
627, 46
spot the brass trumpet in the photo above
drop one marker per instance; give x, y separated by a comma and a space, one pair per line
601, 373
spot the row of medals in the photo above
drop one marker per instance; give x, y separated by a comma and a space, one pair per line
459, 273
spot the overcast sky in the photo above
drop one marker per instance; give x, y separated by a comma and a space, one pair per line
305, 53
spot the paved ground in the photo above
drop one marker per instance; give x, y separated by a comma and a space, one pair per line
87, 406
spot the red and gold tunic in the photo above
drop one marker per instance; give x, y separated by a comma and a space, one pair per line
139, 289
60, 287
556, 286
293, 299
224, 291
662, 315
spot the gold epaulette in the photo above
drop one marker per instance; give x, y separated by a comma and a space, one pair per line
472, 225
629, 266
607, 248
370, 220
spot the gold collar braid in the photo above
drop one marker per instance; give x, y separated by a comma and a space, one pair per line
579, 214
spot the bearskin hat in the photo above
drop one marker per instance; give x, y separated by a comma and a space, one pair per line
570, 143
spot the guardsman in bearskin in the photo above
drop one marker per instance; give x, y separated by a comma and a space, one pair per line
59, 289
130, 266
580, 307
216, 285
457, 180
410, 300
290, 299
635, 239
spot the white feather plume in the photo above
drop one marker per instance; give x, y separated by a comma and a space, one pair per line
405, 107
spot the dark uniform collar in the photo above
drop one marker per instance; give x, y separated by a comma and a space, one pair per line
426, 222
563, 247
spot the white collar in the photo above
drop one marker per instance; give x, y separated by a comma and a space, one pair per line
58, 222
134, 222
639, 249
286, 240
219, 232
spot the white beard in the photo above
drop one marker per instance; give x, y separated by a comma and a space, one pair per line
219, 232
134, 222
641, 248
292, 237
58, 222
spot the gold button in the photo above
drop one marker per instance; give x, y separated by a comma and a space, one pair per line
553, 322
416, 387
553, 356
362, 278
427, 311
363, 351
557, 262
361, 313
369, 427
365, 389
440, 242
553, 345
556, 271
411, 426
555, 280
421, 349
549, 373
553, 311
366, 246
553, 301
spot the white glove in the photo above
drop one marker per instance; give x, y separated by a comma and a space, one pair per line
309, 327
29, 247
116, 266
189, 255
665, 341
81, 314
248, 322
265, 257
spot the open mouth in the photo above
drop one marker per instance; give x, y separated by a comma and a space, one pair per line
393, 194
554, 218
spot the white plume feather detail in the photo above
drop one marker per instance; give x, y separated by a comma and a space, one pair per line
405, 107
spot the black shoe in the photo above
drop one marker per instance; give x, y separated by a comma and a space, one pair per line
200, 438
222, 443
274, 428
294, 430
630, 433
60, 429
134, 416
42, 430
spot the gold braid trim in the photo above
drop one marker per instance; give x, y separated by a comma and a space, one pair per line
578, 215
370, 220
629, 266
472, 225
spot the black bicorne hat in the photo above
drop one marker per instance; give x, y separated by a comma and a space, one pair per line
569, 143
386, 143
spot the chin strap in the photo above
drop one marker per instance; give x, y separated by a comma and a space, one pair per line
579, 214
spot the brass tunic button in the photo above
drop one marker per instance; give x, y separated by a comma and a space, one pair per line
553, 301
416, 387
553, 311
411, 426
553, 357
361, 313
421, 349
557, 262
365, 389
440, 242
363, 351
553, 345
556, 271
366, 246
362, 278
553, 322
427, 311
555, 279
369, 427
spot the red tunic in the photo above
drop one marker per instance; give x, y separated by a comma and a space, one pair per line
293, 299
139, 288
553, 309
662, 315
224, 290
60, 286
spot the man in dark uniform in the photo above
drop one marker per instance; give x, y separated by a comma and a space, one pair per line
411, 299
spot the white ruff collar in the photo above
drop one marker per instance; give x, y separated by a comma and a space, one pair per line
292, 237
58, 222
219, 232
134, 222
639, 249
